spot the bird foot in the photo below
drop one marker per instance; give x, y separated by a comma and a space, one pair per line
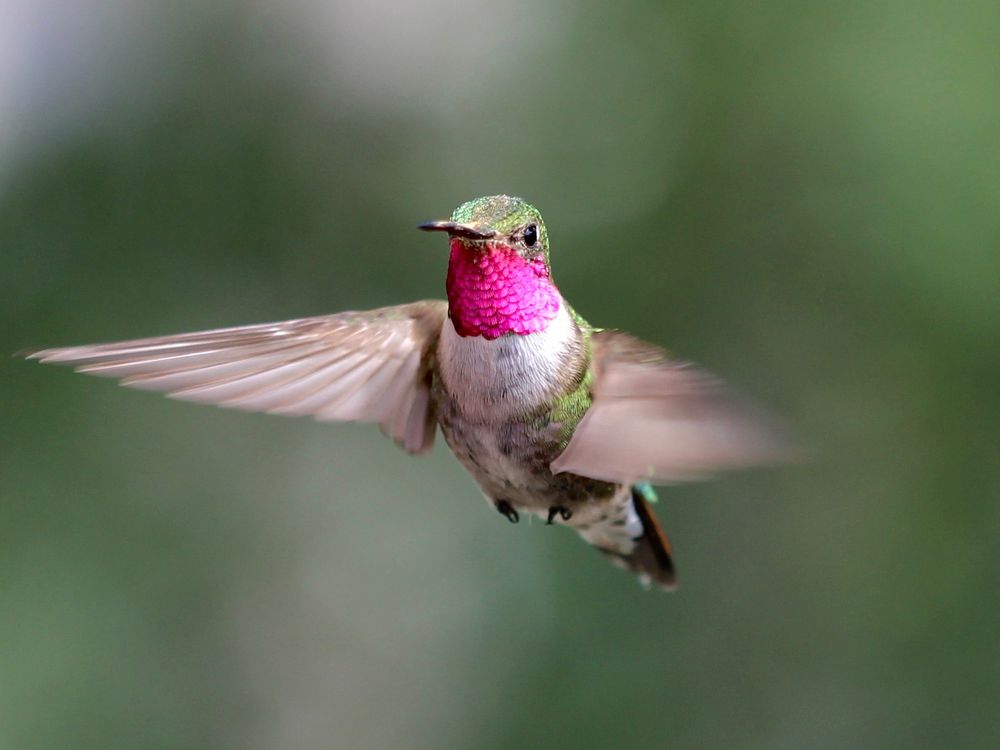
506, 509
563, 512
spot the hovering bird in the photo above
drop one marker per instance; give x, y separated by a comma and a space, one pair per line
551, 416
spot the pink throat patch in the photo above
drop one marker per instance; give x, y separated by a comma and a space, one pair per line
494, 291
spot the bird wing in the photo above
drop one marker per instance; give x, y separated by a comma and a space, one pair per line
371, 366
657, 419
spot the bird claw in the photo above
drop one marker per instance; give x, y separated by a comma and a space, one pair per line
506, 509
563, 512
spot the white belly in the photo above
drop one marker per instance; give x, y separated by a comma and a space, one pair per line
494, 381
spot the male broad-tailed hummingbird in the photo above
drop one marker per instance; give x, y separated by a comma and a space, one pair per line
550, 415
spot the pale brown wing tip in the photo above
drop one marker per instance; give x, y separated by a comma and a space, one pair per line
48, 355
762, 444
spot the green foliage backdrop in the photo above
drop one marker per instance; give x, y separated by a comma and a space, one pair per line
802, 197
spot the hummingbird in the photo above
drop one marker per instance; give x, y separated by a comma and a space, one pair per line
551, 416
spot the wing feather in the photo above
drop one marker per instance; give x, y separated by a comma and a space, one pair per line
357, 366
653, 418
291, 393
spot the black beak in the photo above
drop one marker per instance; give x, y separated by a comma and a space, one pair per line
458, 230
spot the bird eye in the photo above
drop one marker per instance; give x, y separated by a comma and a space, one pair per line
530, 235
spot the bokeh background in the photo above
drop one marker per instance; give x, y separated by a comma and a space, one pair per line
800, 196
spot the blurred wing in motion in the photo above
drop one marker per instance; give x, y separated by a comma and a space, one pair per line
371, 366
660, 420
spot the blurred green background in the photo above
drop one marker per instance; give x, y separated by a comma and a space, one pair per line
801, 197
